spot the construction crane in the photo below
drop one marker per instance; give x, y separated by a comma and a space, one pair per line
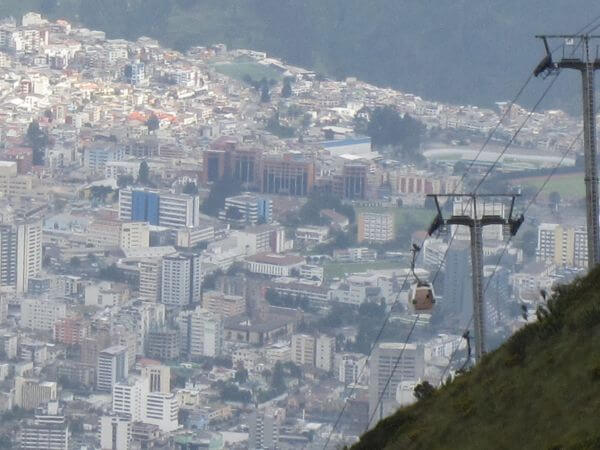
476, 219
576, 55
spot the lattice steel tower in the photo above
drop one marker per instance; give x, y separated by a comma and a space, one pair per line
476, 216
576, 55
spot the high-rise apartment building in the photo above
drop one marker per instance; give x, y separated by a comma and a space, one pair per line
150, 279
377, 228
115, 433
42, 314
112, 367
142, 400
159, 208
30, 393
8, 256
562, 245
158, 375
410, 367
71, 330
324, 353
225, 305
47, 431
263, 428
181, 276
201, 332
128, 398
163, 344
20, 253
303, 350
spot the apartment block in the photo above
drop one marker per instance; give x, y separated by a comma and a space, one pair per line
562, 245
376, 228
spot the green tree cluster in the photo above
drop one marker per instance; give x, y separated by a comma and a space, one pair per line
387, 127
219, 191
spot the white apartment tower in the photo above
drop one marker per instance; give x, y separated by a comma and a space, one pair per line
325, 351
20, 253
47, 431
201, 332
115, 433
303, 350
181, 276
112, 367
374, 227
41, 314
410, 367
150, 279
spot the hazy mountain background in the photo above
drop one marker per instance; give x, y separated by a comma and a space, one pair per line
460, 51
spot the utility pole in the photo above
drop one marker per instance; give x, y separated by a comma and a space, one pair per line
577, 47
478, 218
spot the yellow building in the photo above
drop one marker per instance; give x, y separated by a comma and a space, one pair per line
562, 245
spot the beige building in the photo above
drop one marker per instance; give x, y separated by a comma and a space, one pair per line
150, 279
418, 183
41, 314
29, 393
159, 377
29, 252
16, 186
134, 235
562, 245
374, 227
113, 233
303, 350
225, 305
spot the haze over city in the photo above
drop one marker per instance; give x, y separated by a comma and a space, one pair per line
222, 228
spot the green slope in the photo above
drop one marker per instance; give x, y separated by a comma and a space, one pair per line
462, 51
541, 390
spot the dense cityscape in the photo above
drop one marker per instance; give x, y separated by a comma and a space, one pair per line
212, 249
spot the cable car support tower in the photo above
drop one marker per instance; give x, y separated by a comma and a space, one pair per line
576, 55
476, 219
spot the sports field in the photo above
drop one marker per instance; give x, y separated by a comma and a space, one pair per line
569, 186
239, 70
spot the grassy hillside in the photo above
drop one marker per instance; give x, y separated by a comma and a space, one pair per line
465, 51
541, 390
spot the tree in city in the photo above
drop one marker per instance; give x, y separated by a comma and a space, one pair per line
153, 123
387, 127
241, 375
144, 173
423, 390
125, 180
220, 190
286, 90
100, 193
75, 262
190, 188
38, 140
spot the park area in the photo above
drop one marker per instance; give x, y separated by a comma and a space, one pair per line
241, 69
569, 186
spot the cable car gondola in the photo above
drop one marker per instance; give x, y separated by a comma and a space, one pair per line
421, 295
